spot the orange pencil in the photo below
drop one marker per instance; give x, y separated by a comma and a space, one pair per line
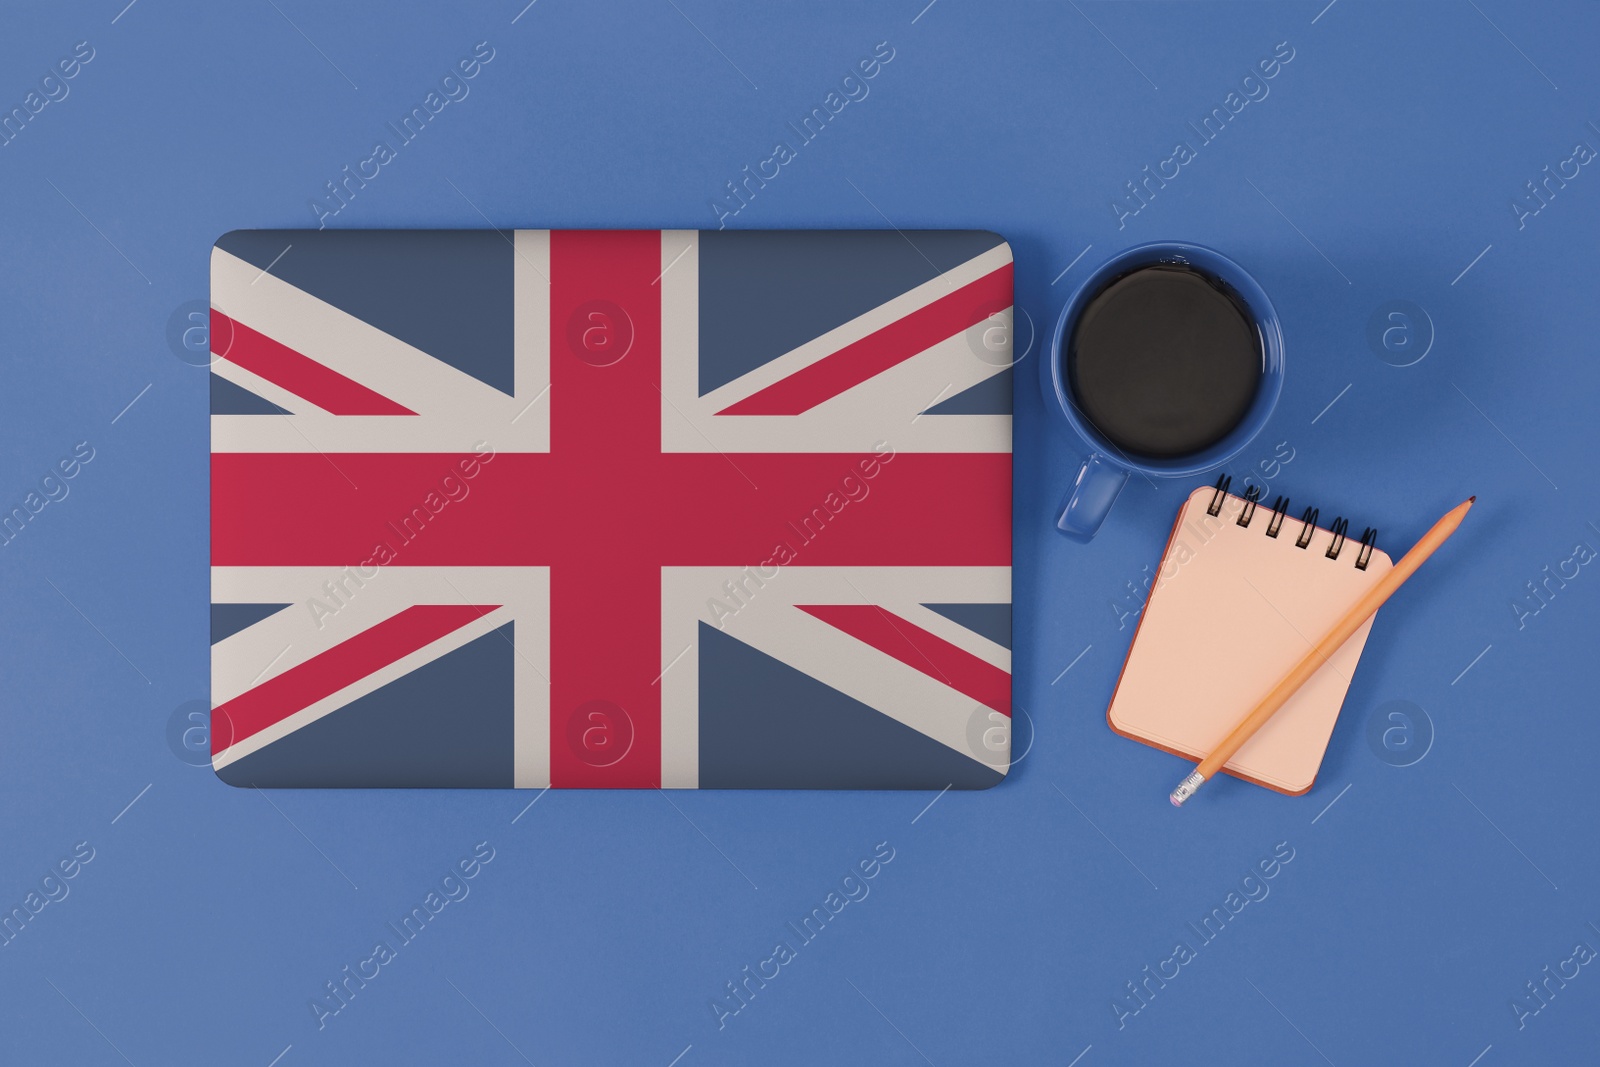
1359, 613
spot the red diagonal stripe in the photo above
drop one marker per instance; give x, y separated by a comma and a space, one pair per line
326, 673
877, 352
304, 377
920, 650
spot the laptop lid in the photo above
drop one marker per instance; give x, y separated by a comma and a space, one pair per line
613, 509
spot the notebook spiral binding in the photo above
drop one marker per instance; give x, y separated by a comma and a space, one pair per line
1308, 522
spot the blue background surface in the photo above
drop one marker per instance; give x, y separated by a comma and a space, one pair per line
1381, 167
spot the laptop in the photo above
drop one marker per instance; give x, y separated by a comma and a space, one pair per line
611, 509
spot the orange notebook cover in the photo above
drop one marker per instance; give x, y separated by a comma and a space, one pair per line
1243, 592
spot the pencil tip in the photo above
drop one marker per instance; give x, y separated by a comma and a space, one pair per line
1472, 499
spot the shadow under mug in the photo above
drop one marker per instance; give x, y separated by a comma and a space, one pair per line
1108, 467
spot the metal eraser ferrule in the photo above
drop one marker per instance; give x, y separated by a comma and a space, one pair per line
1187, 788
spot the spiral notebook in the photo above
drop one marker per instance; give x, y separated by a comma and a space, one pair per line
1243, 592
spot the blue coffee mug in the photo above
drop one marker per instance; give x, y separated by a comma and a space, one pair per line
1106, 471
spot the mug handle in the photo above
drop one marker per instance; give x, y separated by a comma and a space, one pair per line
1099, 482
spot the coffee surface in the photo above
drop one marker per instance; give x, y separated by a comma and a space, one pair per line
1164, 361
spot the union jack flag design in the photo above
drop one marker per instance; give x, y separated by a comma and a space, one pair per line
611, 509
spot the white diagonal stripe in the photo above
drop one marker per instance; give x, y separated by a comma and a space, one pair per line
250, 380
238, 660
453, 409
882, 408
771, 623
376, 680
958, 635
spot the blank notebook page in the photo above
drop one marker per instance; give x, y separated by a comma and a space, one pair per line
1230, 612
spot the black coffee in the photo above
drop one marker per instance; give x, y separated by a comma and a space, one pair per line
1164, 361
